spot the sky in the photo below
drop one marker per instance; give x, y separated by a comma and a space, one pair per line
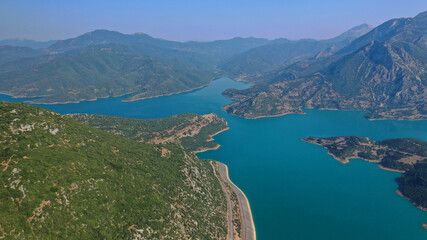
200, 20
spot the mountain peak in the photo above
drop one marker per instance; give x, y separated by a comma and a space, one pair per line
354, 32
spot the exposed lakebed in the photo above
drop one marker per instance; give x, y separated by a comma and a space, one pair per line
296, 190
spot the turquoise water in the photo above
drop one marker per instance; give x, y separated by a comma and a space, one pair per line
296, 190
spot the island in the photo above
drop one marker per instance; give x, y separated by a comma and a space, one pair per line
405, 155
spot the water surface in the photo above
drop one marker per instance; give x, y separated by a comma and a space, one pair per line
296, 190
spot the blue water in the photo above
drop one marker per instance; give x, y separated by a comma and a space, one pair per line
296, 190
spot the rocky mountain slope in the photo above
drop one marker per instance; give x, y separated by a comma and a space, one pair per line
386, 77
106, 63
250, 65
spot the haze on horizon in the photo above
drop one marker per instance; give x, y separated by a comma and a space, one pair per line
206, 20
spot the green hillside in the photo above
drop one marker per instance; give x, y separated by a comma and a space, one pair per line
106, 63
107, 70
191, 130
62, 179
212, 51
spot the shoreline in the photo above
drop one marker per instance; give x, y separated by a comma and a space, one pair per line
320, 109
401, 194
210, 139
96, 98
170, 94
77, 101
424, 225
248, 226
390, 169
230, 231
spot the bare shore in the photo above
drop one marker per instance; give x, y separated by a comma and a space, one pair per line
247, 222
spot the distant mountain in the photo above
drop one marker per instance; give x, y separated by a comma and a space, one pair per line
62, 179
215, 50
18, 42
387, 77
102, 36
108, 70
11, 53
106, 63
405, 155
190, 130
251, 64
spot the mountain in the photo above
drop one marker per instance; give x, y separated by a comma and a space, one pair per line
386, 77
108, 70
214, 50
62, 179
11, 53
251, 64
18, 42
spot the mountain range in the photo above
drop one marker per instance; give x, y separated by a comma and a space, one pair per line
251, 64
383, 72
106, 63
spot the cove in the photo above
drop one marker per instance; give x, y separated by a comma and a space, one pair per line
296, 190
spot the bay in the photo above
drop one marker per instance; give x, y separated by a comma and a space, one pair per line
296, 190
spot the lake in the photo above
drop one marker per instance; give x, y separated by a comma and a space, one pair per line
296, 190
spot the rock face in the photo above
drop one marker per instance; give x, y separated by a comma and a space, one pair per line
386, 77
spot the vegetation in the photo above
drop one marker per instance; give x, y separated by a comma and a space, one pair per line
251, 64
413, 184
62, 179
10, 53
404, 154
382, 72
106, 63
104, 71
192, 131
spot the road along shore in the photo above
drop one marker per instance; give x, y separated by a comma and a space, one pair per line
247, 223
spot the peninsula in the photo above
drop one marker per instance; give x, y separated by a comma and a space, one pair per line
190, 130
405, 155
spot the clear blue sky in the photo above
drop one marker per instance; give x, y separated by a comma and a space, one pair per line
198, 19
